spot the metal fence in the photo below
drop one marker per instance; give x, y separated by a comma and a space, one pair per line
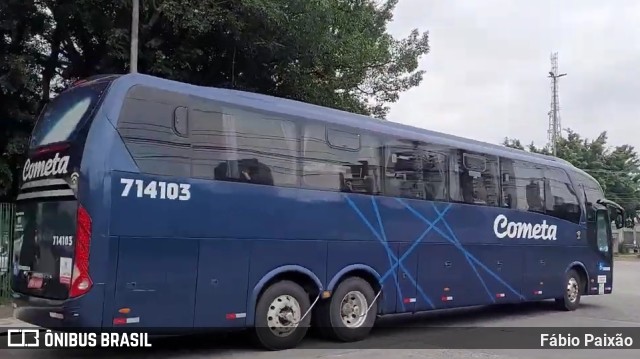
6, 244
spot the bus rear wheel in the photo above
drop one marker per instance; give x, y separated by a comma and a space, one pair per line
350, 313
572, 291
279, 311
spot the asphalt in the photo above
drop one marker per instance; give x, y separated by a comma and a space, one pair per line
402, 337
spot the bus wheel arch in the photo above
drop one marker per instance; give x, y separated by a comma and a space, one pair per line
294, 273
357, 270
584, 277
581, 270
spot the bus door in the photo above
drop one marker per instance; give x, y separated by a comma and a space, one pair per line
600, 239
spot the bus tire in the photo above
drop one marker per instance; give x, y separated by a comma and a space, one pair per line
279, 308
340, 318
573, 287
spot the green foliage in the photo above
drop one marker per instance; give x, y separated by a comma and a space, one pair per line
616, 168
19, 98
335, 53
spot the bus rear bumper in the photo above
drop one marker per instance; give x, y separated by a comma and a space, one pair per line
53, 314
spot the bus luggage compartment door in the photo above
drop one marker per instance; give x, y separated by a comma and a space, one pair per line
156, 280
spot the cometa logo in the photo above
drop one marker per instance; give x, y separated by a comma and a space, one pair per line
53, 166
503, 228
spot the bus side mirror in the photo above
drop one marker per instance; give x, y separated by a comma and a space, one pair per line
620, 221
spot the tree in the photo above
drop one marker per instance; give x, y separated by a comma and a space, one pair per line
617, 169
334, 53
18, 86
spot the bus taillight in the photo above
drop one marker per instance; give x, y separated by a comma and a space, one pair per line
55, 147
81, 282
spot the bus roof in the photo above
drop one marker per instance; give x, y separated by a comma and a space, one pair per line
294, 108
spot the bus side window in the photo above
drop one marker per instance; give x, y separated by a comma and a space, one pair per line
561, 200
416, 173
589, 187
436, 172
340, 160
267, 148
479, 179
508, 179
234, 145
529, 186
147, 126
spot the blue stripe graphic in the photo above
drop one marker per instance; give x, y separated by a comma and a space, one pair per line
390, 254
466, 256
462, 249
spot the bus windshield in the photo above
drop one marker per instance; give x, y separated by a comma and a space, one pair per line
64, 115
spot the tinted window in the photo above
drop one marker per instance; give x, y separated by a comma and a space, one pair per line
522, 186
602, 231
343, 139
351, 167
561, 198
147, 125
269, 144
232, 144
44, 243
588, 186
594, 191
66, 113
211, 144
476, 178
416, 173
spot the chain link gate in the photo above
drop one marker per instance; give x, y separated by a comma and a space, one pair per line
6, 244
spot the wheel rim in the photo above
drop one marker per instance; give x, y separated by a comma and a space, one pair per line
283, 315
573, 289
353, 309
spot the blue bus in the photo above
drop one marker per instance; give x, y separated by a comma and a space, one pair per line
152, 204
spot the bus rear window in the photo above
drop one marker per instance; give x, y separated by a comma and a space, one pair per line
63, 116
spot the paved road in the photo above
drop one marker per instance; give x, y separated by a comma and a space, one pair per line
400, 334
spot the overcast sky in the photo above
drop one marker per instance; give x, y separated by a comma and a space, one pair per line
489, 61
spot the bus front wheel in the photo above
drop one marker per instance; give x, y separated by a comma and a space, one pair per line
572, 291
280, 322
350, 313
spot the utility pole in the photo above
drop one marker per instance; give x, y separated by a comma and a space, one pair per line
135, 21
555, 129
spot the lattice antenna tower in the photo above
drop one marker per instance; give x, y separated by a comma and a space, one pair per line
555, 128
